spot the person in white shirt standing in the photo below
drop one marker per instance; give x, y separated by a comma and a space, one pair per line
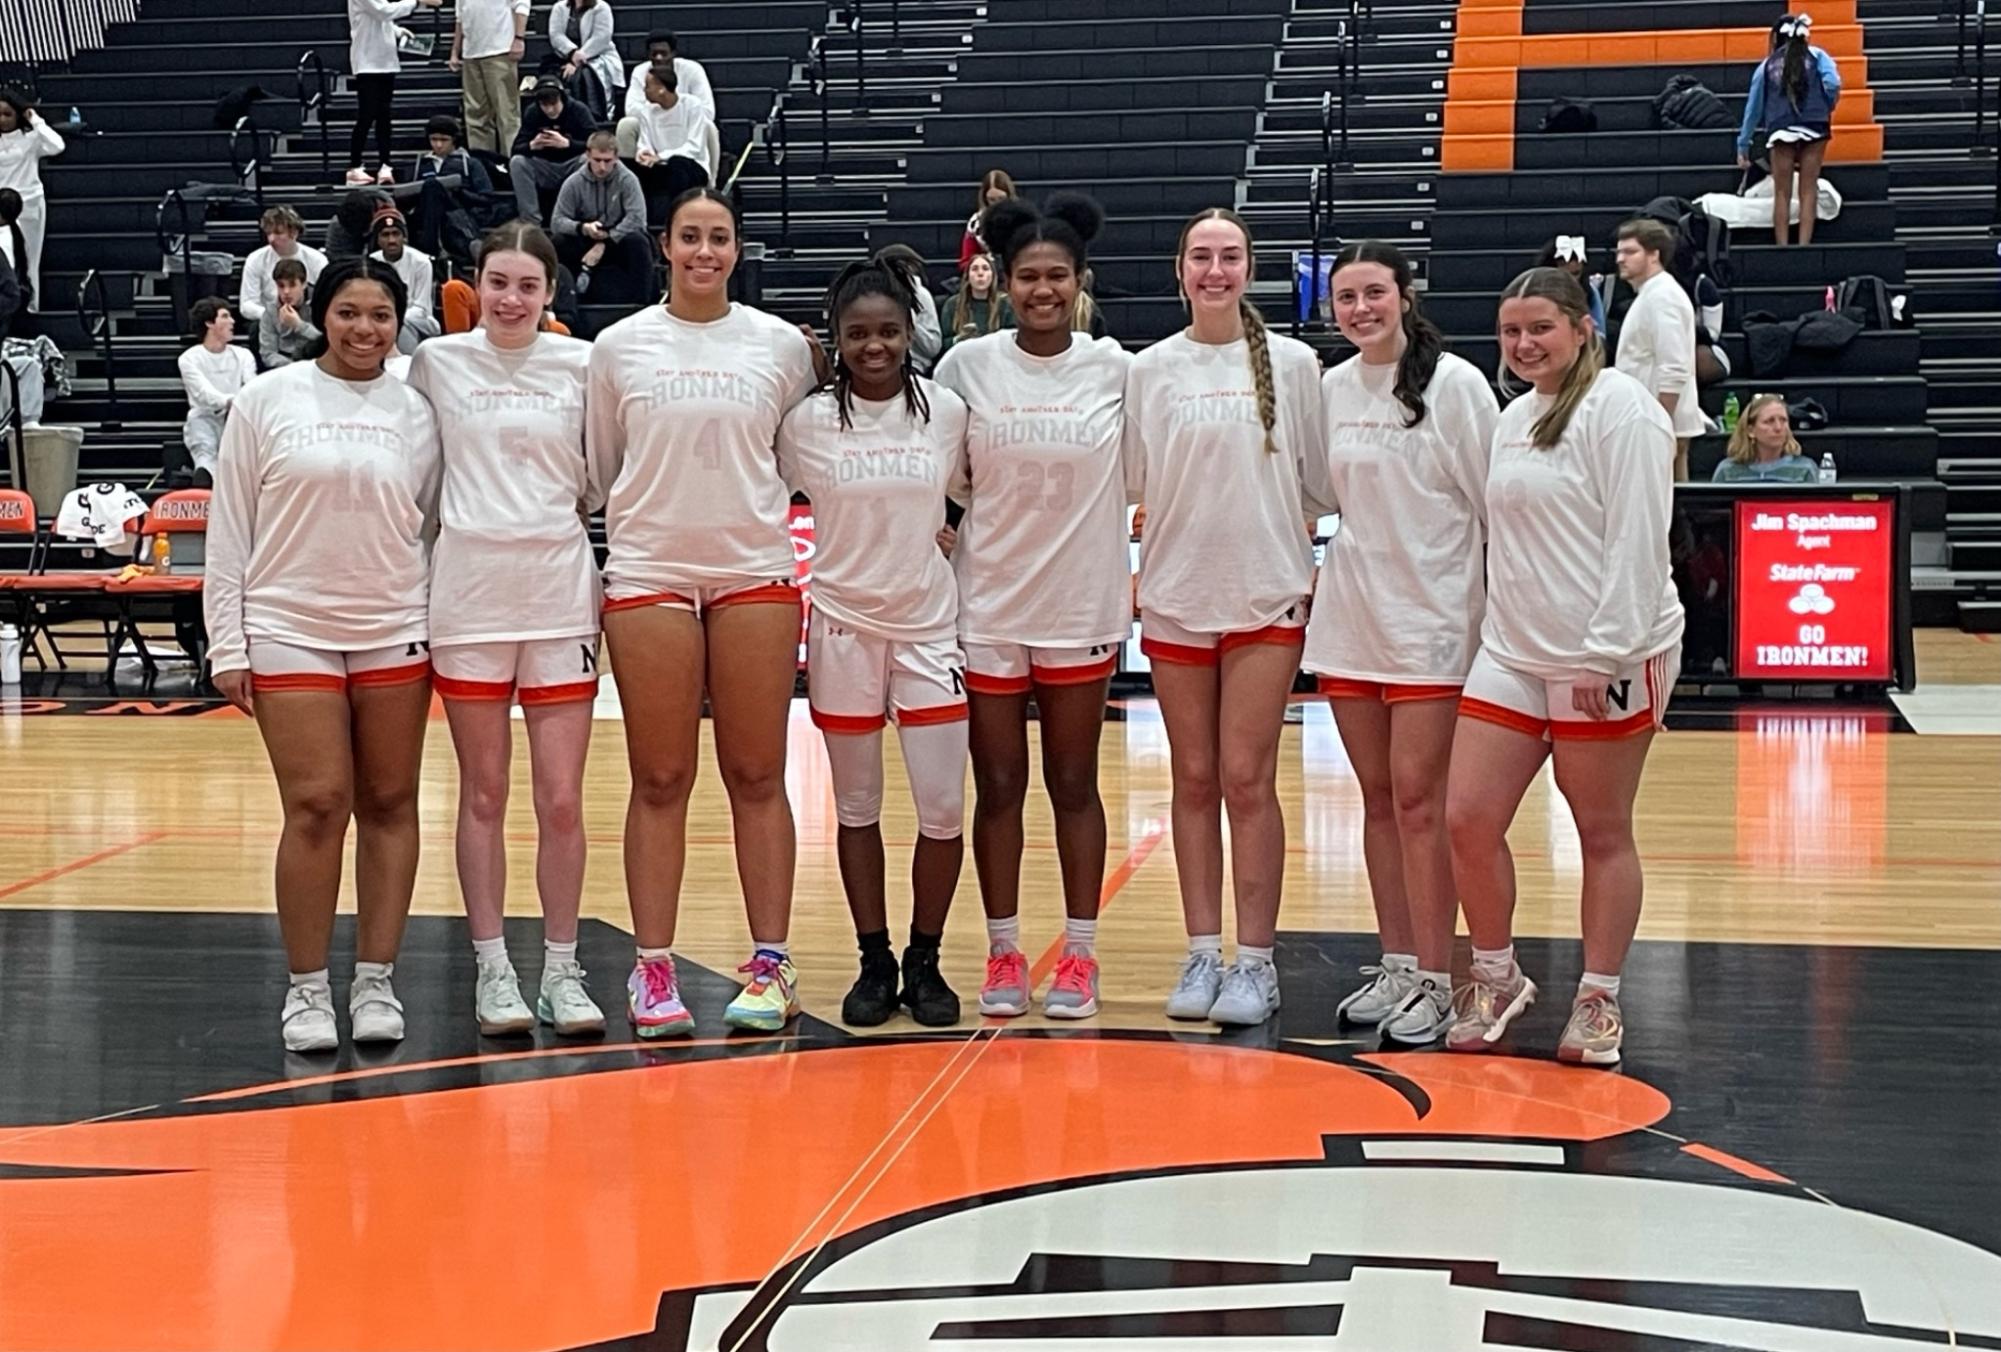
514, 613
684, 406
282, 228
488, 40
390, 234
691, 80
1224, 447
1657, 336
374, 61
213, 372
1045, 585
26, 139
672, 154
316, 599
874, 452
1396, 615
1578, 655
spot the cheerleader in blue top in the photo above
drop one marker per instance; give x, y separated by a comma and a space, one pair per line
1790, 112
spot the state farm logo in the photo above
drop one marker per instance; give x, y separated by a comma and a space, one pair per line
1812, 600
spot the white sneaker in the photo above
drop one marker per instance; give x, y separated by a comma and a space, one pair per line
498, 1001
373, 1010
1422, 1017
564, 1004
1195, 989
1249, 995
385, 175
308, 1020
358, 177
1379, 997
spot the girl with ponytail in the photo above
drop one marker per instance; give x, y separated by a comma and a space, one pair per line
1224, 446
1396, 616
1790, 114
1045, 589
1578, 654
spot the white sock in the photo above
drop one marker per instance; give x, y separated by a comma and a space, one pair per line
553, 952
1494, 965
1399, 962
655, 954
1080, 936
365, 970
1440, 981
1598, 981
1252, 953
318, 979
1004, 932
1212, 944
490, 950
780, 948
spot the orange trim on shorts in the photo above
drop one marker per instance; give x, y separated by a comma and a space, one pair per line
451, 687
405, 675
1611, 730
573, 692
1271, 633
298, 682
1084, 675
1342, 687
769, 593
937, 713
1501, 716
998, 685
848, 724
650, 599
1179, 654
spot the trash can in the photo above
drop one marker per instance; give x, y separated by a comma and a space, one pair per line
50, 472
194, 276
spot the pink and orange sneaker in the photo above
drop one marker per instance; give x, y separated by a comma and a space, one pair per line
1074, 993
653, 1000
1005, 993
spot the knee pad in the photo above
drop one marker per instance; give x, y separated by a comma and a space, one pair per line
854, 763
934, 757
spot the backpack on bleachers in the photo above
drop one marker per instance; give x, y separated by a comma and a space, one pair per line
1701, 242
1570, 115
1874, 303
1687, 104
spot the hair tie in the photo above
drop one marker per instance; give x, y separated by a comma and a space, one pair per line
1570, 248
1796, 25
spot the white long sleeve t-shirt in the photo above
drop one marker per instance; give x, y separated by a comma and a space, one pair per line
371, 44
1657, 348
213, 379
258, 292
21, 154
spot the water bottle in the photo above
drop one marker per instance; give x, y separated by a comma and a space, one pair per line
75, 117
1730, 411
10, 655
163, 554
1827, 467
1830, 298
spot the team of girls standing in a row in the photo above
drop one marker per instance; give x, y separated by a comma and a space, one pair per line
693, 422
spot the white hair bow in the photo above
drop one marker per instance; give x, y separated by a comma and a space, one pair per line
1570, 248
1796, 25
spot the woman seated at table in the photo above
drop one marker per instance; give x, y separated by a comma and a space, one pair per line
1763, 448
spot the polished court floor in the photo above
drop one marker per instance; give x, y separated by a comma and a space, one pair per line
1803, 1151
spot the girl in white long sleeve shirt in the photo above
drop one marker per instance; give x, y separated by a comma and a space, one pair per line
26, 139
1396, 614
1578, 653
684, 405
374, 61
315, 598
514, 612
213, 372
1224, 448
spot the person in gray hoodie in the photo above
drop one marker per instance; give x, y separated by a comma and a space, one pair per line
600, 227
285, 332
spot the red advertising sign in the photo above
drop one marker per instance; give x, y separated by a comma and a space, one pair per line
1814, 589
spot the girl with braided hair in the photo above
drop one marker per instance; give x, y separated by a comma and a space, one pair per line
873, 451
1790, 114
1225, 446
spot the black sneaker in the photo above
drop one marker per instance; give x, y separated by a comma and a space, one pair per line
932, 1003
872, 999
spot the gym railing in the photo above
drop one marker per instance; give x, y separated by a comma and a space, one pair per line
816, 74
18, 460
857, 26
315, 89
770, 136
250, 151
94, 318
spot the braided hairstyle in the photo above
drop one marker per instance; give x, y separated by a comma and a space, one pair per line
338, 276
874, 276
1255, 337
1567, 294
1069, 220
1423, 343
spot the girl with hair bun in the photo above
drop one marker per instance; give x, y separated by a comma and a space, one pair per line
316, 598
1225, 448
874, 451
1578, 654
1396, 616
1044, 583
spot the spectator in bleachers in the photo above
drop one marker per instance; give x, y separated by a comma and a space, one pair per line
1657, 336
213, 372
1763, 448
600, 227
927, 338
488, 39
390, 234
375, 61
549, 147
432, 217
977, 306
285, 333
672, 153
14, 251
1085, 316
581, 35
1566, 253
347, 230
1790, 115
691, 81
995, 186
282, 228
26, 139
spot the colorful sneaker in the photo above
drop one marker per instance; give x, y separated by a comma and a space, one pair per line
564, 1002
1596, 1031
374, 1013
1249, 994
653, 1000
497, 1001
769, 998
930, 1001
1006, 992
1195, 990
1074, 993
871, 1001
1482, 1011
1377, 998
308, 1021
1422, 1017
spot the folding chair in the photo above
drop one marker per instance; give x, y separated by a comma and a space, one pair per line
181, 518
17, 517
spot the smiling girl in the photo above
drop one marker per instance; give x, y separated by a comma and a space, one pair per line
1578, 654
1397, 614
316, 599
